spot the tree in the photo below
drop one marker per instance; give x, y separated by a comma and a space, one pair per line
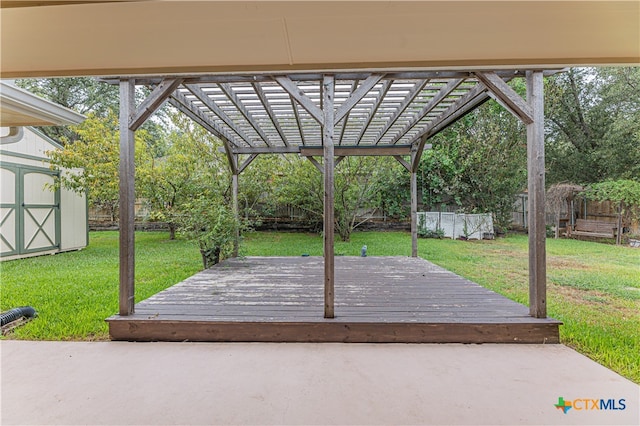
477, 164
84, 95
97, 153
207, 221
391, 192
593, 125
191, 165
302, 186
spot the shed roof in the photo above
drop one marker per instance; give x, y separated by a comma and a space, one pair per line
19, 107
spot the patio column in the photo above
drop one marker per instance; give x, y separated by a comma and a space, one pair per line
127, 198
535, 175
328, 86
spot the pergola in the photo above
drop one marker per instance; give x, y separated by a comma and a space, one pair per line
322, 79
332, 116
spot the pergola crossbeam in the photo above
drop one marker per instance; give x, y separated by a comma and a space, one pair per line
246, 162
385, 88
403, 162
361, 151
228, 91
272, 115
413, 93
292, 88
506, 96
183, 105
316, 164
475, 95
429, 106
296, 114
202, 97
153, 102
357, 96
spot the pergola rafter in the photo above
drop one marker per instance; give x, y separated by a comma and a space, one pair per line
333, 116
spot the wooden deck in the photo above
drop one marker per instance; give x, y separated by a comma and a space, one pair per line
377, 299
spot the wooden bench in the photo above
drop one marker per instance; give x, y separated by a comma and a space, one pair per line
595, 228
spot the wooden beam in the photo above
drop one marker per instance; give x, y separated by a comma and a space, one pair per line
296, 114
417, 154
246, 162
302, 76
153, 102
360, 151
413, 178
218, 112
466, 103
184, 106
535, 175
267, 150
316, 164
413, 93
453, 108
506, 96
339, 160
292, 89
383, 92
127, 199
272, 115
356, 96
402, 161
236, 210
345, 121
464, 109
228, 90
434, 102
328, 88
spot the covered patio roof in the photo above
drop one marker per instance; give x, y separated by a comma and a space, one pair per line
76, 37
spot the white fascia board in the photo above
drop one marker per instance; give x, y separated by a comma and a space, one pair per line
21, 102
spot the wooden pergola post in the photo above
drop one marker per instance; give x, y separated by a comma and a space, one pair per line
127, 198
414, 201
328, 86
131, 118
535, 173
234, 204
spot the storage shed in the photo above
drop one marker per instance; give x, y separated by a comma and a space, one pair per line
35, 219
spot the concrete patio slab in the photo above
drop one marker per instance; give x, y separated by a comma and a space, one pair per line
120, 383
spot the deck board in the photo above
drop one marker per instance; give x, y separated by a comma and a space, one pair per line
377, 299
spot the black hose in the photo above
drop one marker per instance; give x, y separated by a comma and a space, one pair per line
16, 313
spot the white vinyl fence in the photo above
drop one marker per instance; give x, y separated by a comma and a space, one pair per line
455, 225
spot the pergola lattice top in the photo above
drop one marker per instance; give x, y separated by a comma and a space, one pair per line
256, 114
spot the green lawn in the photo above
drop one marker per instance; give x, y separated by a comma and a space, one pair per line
74, 292
593, 288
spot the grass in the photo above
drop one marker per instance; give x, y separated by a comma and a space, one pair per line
74, 292
593, 288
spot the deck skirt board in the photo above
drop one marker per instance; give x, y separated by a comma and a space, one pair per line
377, 299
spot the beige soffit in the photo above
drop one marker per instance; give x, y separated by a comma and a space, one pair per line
179, 36
21, 108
